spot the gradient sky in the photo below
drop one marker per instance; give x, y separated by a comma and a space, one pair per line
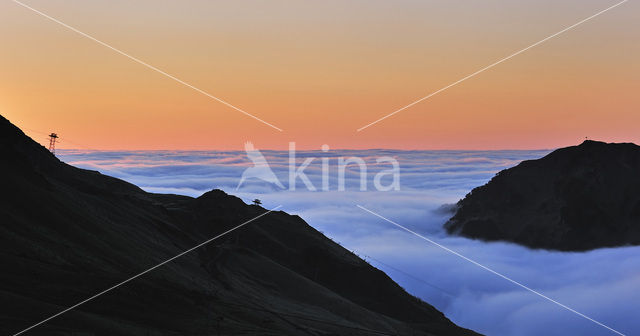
320, 70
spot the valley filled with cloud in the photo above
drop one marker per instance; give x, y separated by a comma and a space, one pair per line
601, 284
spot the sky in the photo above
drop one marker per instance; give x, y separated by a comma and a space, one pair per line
319, 71
602, 284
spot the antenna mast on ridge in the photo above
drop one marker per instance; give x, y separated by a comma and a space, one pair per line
52, 142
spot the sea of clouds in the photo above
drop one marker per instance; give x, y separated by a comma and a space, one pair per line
601, 284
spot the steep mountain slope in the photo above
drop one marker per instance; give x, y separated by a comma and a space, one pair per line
69, 233
576, 198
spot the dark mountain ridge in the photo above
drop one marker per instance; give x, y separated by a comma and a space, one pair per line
574, 199
69, 233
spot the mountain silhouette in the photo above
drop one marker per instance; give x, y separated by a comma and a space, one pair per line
69, 233
574, 199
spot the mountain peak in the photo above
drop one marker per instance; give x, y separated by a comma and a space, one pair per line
69, 233
587, 143
576, 198
15, 145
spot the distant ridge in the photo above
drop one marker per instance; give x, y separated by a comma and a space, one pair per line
68, 233
574, 199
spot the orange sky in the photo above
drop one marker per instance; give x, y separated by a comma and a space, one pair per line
320, 70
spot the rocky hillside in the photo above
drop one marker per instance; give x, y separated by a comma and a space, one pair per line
574, 199
68, 233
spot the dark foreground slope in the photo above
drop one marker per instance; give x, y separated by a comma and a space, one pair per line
574, 199
68, 233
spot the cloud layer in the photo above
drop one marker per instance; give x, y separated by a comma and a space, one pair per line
602, 284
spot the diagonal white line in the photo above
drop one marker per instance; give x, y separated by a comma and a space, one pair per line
146, 65
144, 272
490, 66
490, 270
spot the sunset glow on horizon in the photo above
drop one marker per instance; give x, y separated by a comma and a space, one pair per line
319, 71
